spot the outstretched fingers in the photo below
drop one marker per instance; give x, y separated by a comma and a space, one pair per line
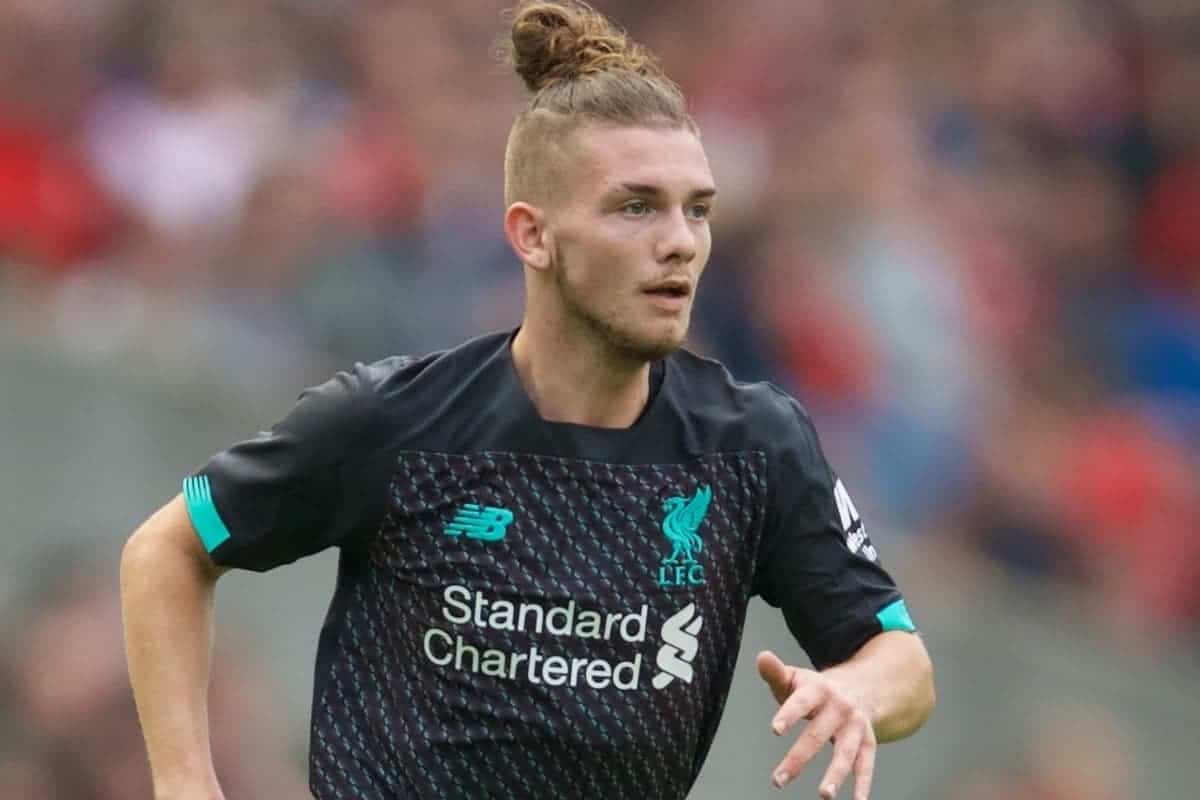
806, 699
833, 716
846, 748
814, 737
864, 769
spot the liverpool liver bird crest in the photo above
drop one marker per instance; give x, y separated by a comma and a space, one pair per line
682, 524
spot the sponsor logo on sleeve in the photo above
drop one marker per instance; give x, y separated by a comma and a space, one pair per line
852, 525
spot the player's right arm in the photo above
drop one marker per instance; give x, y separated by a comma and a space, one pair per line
167, 588
313, 481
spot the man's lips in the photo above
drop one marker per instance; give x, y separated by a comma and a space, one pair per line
670, 288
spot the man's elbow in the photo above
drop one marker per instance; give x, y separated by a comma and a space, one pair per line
921, 702
166, 543
926, 694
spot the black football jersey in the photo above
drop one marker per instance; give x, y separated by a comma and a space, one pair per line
527, 608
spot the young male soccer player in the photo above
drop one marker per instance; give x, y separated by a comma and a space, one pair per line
549, 537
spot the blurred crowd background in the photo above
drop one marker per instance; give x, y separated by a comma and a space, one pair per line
965, 233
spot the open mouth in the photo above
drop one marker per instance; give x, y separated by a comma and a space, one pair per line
670, 288
668, 291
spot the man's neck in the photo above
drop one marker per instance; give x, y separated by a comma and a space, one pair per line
579, 383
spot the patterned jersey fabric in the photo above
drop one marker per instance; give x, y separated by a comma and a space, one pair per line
532, 609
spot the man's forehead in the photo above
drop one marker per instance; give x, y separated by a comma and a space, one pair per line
667, 158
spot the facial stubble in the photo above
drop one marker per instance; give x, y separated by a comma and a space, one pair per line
625, 345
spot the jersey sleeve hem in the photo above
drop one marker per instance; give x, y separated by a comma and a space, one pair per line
895, 617
206, 520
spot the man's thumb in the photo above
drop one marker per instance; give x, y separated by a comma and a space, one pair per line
777, 675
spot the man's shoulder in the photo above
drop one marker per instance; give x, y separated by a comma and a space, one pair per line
400, 372
411, 400
709, 393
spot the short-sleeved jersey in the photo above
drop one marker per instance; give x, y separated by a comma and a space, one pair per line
527, 608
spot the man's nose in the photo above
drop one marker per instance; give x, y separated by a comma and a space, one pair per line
678, 239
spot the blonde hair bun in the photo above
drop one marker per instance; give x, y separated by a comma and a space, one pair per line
559, 41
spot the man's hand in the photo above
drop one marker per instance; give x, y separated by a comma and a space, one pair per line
833, 714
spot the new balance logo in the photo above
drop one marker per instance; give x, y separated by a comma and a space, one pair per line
487, 523
679, 649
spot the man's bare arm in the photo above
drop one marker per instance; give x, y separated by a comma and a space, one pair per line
167, 588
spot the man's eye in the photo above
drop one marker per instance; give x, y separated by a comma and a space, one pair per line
636, 207
700, 211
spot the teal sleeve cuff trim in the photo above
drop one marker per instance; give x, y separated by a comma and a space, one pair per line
205, 519
895, 618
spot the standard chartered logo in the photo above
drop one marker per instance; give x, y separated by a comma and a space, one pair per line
451, 647
465, 607
679, 647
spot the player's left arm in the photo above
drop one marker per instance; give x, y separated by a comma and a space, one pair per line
882, 693
872, 679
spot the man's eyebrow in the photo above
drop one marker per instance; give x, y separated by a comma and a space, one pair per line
654, 191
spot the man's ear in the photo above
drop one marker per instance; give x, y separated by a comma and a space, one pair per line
525, 228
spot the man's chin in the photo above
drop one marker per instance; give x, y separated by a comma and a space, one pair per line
651, 341
648, 347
